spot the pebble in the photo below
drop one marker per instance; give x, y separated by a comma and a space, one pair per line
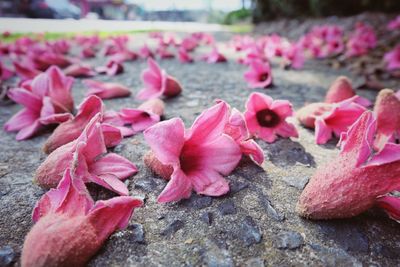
236, 186
207, 218
288, 240
297, 182
198, 202
7, 256
173, 227
227, 207
250, 233
216, 257
137, 233
333, 257
271, 211
255, 262
147, 184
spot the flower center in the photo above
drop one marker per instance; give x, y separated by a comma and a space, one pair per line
264, 77
188, 159
267, 118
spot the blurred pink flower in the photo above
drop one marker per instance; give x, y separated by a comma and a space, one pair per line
184, 56
88, 52
5, 73
351, 183
87, 155
294, 56
266, 118
258, 75
25, 72
214, 56
197, 157
392, 59
145, 52
70, 228
79, 70
106, 90
112, 68
157, 83
361, 40
394, 24
341, 89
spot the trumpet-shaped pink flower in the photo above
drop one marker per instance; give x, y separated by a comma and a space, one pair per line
351, 183
214, 56
391, 205
394, 24
387, 110
259, 74
336, 120
197, 157
341, 89
157, 83
266, 118
79, 70
112, 68
237, 129
392, 59
106, 90
70, 228
87, 154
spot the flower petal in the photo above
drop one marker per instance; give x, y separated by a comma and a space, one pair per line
209, 183
178, 187
25, 98
391, 205
21, 119
252, 149
322, 132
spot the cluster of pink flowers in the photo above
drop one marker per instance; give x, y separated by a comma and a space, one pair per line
361, 40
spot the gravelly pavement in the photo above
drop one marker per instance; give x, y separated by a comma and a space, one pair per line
254, 225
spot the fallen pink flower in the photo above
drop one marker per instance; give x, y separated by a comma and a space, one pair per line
337, 120
106, 90
88, 52
351, 183
111, 68
394, 24
70, 130
294, 56
5, 73
44, 60
387, 110
123, 56
145, 52
79, 70
184, 56
341, 89
157, 83
391, 205
308, 114
214, 56
24, 72
88, 155
266, 118
164, 53
392, 59
70, 228
259, 74
196, 158
237, 129
361, 40
61, 46
189, 44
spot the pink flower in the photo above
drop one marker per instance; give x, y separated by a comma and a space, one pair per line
106, 90
361, 40
258, 75
70, 228
157, 83
5, 73
391, 205
387, 110
111, 68
309, 113
70, 130
145, 52
294, 56
266, 118
184, 56
351, 183
237, 129
341, 89
163, 53
61, 46
25, 72
392, 59
394, 24
88, 52
197, 157
189, 44
79, 70
124, 55
46, 59
88, 155
336, 120
214, 56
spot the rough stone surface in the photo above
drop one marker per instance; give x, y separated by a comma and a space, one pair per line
195, 232
289, 240
7, 256
250, 233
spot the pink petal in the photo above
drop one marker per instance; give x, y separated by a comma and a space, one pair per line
257, 102
252, 149
112, 135
322, 132
40, 85
28, 131
25, 98
391, 205
113, 164
286, 129
209, 183
166, 139
178, 187
283, 108
22, 119
60, 88
148, 93
389, 153
111, 182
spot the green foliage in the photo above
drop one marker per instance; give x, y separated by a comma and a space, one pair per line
237, 16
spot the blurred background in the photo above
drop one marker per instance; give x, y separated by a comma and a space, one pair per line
205, 11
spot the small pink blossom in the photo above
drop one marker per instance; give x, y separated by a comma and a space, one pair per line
5, 73
361, 40
112, 68
164, 53
394, 24
189, 44
70, 228
341, 89
294, 56
214, 56
106, 90
79, 70
236, 128
196, 158
258, 75
387, 110
88, 154
337, 120
145, 52
157, 83
61, 46
392, 59
354, 181
266, 118
88, 52
184, 56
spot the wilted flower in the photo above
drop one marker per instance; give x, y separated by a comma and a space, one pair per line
259, 74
